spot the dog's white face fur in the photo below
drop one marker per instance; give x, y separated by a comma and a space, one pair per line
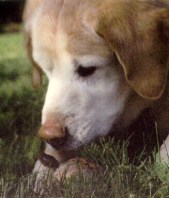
96, 55
88, 105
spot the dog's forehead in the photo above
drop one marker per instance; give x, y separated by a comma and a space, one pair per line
83, 40
69, 31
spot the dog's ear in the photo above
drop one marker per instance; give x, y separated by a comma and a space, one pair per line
36, 76
138, 33
30, 7
36, 71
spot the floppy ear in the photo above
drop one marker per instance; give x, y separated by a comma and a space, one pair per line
36, 71
29, 10
138, 33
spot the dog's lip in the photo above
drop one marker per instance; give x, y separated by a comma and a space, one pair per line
67, 144
58, 143
49, 161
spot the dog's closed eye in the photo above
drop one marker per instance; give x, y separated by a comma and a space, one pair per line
85, 71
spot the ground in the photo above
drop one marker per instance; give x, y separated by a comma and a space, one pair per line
20, 111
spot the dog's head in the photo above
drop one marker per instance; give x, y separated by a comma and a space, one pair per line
95, 53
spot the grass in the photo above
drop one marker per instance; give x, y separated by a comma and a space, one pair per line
20, 109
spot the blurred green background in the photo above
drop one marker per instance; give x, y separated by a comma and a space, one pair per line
20, 104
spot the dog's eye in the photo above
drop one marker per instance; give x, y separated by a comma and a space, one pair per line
85, 71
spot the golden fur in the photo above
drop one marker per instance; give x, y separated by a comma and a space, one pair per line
137, 32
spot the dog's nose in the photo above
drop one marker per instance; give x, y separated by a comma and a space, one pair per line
55, 134
52, 130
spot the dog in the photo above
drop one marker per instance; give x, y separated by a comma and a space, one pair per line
106, 62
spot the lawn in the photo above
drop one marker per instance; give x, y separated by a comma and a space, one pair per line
20, 111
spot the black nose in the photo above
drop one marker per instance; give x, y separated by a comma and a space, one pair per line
57, 143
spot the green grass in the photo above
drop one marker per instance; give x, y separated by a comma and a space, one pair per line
20, 108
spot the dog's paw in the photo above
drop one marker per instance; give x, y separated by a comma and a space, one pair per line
76, 167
